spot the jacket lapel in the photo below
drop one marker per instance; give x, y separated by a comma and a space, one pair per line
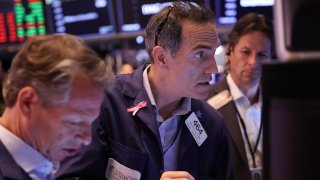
229, 113
187, 148
147, 115
134, 88
9, 169
234, 128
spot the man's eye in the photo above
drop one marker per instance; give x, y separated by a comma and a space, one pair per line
72, 123
263, 55
245, 52
200, 54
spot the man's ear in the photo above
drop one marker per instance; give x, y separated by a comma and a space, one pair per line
228, 50
159, 55
27, 97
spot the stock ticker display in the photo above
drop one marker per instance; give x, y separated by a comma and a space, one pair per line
21, 19
84, 18
133, 15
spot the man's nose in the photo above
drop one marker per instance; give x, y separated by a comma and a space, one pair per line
212, 66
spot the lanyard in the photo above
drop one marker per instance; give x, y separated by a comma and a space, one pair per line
254, 150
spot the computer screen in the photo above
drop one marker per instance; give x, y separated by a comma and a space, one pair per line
291, 114
88, 19
229, 11
20, 20
133, 15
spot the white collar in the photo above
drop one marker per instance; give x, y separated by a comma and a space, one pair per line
147, 86
236, 93
185, 106
25, 156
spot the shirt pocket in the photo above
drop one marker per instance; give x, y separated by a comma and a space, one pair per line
128, 157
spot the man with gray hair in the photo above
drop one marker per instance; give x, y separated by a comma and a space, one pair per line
53, 93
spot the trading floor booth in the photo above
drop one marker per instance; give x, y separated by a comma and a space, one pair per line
291, 94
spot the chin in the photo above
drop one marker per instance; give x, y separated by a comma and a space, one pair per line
58, 158
201, 96
203, 93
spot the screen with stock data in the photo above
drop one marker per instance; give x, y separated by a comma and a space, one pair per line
229, 11
21, 19
133, 15
84, 18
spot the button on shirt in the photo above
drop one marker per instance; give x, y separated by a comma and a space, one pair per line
29, 159
251, 115
169, 129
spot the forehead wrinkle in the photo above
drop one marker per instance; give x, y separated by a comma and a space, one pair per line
210, 43
200, 37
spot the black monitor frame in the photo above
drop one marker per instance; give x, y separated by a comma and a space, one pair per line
297, 29
291, 118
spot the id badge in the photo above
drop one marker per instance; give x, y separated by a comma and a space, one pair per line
256, 173
117, 171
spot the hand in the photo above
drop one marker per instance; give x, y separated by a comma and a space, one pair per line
176, 175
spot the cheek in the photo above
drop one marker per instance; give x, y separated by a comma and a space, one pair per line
62, 135
188, 74
234, 66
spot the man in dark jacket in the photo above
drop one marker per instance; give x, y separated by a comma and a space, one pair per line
152, 124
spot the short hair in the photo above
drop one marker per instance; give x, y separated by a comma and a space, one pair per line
249, 23
165, 28
48, 64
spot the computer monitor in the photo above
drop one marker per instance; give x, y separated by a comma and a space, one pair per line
297, 29
291, 119
92, 20
20, 20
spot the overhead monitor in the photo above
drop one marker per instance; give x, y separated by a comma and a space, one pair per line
133, 15
88, 19
297, 29
229, 11
21, 19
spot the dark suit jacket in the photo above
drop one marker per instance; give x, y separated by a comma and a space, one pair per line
134, 141
239, 157
9, 169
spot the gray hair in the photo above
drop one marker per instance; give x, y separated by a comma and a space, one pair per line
48, 64
165, 28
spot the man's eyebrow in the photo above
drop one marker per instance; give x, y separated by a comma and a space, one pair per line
201, 46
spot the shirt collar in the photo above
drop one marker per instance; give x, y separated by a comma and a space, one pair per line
237, 94
25, 156
183, 109
146, 85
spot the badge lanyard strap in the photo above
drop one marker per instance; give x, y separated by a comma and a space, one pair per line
252, 151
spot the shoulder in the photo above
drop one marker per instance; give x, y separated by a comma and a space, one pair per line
9, 169
218, 87
5, 155
127, 84
209, 115
212, 122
